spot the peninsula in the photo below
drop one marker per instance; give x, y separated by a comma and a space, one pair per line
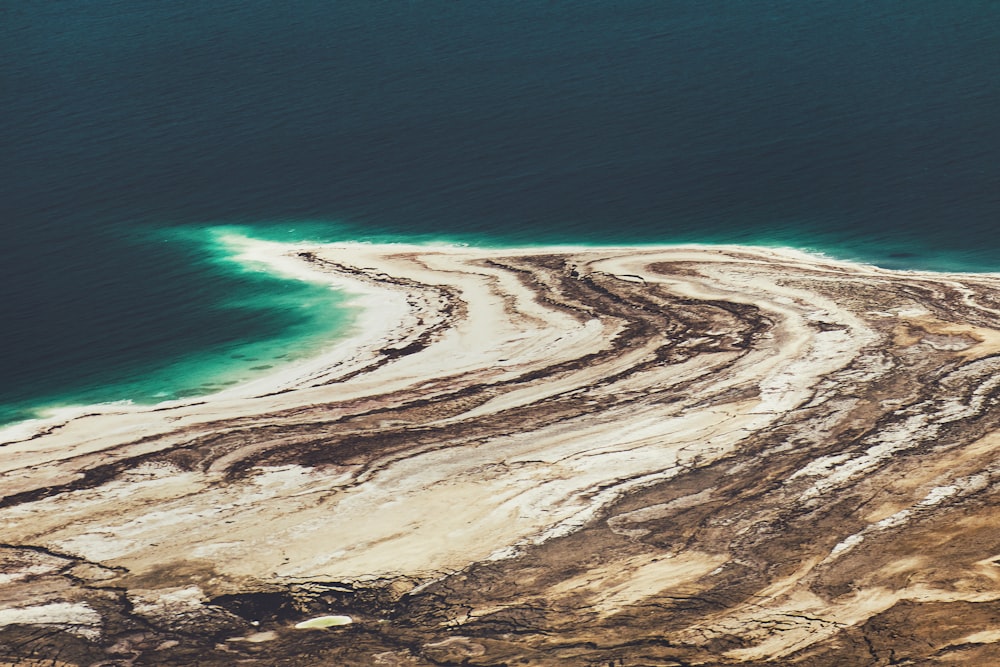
689, 455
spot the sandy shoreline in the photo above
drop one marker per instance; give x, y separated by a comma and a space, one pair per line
571, 437
379, 309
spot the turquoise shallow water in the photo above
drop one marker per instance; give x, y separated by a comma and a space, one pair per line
865, 130
311, 317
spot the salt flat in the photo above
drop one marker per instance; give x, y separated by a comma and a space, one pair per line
625, 456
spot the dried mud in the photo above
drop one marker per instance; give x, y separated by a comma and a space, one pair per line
604, 457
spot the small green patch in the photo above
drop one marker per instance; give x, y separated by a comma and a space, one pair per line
324, 622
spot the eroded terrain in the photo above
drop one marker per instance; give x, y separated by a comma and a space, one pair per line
606, 457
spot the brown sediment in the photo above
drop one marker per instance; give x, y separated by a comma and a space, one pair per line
609, 456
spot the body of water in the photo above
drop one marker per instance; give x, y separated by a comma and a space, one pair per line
130, 129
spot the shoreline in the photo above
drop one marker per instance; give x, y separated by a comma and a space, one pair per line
274, 257
271, 256
558, 419
381, 319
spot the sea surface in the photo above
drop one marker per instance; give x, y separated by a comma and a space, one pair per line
132, 131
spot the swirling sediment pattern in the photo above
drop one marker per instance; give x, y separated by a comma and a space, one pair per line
552, 456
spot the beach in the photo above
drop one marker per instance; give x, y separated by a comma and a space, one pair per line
549, 455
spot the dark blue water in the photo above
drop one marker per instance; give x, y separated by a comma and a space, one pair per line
867, 129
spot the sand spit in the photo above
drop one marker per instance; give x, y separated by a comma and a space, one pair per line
551, 456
